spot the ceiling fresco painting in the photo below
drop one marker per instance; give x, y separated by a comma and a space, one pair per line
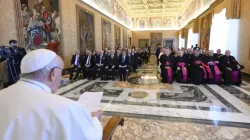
152, 14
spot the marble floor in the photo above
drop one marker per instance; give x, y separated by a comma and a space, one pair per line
177, 112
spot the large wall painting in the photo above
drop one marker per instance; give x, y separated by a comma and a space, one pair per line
86, 32
169, 43
143, 43
156, 40
106, 34
205, 31
117, 31
41, 24
125, 38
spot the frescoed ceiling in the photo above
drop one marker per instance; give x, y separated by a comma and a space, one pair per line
137, 8
152, 14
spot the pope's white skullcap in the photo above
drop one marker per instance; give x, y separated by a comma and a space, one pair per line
36, 60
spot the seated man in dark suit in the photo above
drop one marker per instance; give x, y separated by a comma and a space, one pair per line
123, 65
100, 64
88, 65
75, 65
111, 65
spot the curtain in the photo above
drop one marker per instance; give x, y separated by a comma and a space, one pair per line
233, 9
196, 26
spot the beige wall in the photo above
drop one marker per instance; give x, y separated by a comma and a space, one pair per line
146, 35
69, 28
7, 22
244, 36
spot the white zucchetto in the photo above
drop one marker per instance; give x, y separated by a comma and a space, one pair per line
36, 60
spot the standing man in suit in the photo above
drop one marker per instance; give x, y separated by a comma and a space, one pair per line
100, 63
123, 65
134, 60
111, 65
75, 65
88, 65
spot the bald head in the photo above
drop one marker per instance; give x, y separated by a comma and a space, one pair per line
211, 53
227, 53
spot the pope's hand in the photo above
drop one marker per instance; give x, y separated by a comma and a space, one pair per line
97, 114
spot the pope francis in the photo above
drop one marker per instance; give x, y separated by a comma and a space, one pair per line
29, 110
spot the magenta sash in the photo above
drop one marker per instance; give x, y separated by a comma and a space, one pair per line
169, 73
216, 71
203, 68
235, 76
210, 74
184, 71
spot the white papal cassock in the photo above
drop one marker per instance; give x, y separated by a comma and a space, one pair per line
29, 111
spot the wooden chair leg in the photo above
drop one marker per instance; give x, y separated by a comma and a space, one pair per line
111, 126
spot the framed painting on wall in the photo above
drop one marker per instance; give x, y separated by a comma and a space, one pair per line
86, 32
40, 25
117, 30
156, 40
106, 34
169, 42
143, 43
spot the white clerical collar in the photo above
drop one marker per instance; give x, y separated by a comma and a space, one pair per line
37, 84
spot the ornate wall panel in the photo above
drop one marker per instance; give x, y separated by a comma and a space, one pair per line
117, 31
205, 31
125, 38
86, 31
106, 34
156, 40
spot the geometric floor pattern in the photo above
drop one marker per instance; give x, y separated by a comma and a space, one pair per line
187, 111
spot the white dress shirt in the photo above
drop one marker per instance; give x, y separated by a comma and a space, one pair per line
29, 111
77, 60
88, 61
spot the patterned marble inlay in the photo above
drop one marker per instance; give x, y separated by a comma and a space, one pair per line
145, 129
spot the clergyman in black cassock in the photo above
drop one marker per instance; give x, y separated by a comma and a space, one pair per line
231, 69
198, 75
167, 64
215, 71
181, 70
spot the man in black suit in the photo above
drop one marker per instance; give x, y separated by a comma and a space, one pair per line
75, 65
111, 65
123, 65
134, 60
88, 65
100, 64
